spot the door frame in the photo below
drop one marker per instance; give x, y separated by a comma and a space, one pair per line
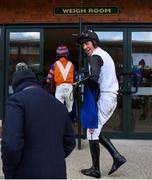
41, 29
131, 134
2, 72
123, 133
127, 123
6, 65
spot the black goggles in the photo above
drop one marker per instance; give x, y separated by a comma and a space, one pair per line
85, 36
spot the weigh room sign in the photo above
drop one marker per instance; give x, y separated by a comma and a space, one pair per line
85, 10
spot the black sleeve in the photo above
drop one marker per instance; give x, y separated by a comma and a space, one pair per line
95, 62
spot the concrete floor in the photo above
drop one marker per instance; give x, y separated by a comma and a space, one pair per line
137, 152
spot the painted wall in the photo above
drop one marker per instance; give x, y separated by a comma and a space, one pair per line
42, 11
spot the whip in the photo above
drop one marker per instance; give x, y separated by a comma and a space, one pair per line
76, 85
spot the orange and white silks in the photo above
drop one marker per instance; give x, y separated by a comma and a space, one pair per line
62, 71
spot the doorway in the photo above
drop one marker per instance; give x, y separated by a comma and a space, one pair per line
56, 37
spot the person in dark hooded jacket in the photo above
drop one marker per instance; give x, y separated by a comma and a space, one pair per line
37, 132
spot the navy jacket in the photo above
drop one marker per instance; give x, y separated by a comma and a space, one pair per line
37, 134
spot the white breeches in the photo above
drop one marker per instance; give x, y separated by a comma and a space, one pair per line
65, 95
106, 106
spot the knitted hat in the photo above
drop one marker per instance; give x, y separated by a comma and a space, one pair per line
22, 76
62, 51
21, 66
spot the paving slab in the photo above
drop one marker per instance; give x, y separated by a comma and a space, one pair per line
137, 152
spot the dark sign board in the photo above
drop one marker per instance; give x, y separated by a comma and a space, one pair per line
85, 10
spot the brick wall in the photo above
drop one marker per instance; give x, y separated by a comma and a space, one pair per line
42, 11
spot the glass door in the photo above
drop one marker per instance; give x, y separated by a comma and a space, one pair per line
23, 46
113, 41
54, 37
141, 55
131, 51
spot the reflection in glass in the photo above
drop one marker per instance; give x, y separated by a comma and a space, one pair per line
25, 36
112, 42
108, 36
142, 100
24, 46
142, 37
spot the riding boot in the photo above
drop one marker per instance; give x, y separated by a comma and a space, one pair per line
94, 171
117, 157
